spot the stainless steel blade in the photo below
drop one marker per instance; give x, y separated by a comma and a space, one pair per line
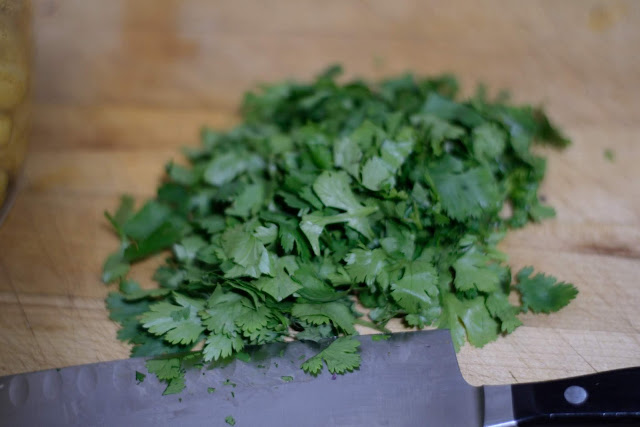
411, 379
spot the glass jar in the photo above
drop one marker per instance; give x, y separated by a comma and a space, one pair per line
15, 83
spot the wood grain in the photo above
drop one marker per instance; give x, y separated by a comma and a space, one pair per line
120, 86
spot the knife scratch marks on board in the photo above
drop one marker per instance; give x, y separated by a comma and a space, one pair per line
23, 312
563, 338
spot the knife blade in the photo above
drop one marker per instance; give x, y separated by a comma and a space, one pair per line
409, 379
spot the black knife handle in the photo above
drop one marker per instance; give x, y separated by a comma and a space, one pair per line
607, 398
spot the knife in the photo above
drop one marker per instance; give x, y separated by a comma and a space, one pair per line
406, 379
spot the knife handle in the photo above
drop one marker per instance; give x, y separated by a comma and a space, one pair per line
607, 398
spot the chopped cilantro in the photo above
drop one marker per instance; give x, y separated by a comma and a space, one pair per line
245, 357
211, 390
230, 420
169, 371
610, 155
340, 356
386, 193
380, 337
228, 382
140, 377
543, 294
174, 386
287, 378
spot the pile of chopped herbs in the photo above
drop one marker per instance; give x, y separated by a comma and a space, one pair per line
390, 194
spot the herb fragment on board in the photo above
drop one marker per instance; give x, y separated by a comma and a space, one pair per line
390, 194
610, 155
140, 377
340, 356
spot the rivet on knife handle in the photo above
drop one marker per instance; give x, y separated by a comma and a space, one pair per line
591, 400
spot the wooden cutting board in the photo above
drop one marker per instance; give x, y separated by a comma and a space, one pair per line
121, 85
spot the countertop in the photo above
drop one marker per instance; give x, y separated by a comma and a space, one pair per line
120, 86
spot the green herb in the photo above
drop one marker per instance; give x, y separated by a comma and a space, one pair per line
380, 337
169, 371
233, 395
609, 154
228, 382
230, 420
543, 294
245, 357
211, 390
340, 356
140, 377
287, 378
327, 193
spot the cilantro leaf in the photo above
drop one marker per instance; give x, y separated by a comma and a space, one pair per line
281, 285
169, 371
315, 333
340, 356
438, 131
451, 110
347, 155
222, 312
175, 386
470, 319
374, 173
542, 293
148, 219
126, 314
318, 314
158, 239
247, 252
472, 270
165, 369
417, 288
489, 142
334, 191
219, 346
124, 211
465, 194
224, 168
367, 266
499, 307
188, 248
181, 174
115, 267
179, 324
313, 225
248, 201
